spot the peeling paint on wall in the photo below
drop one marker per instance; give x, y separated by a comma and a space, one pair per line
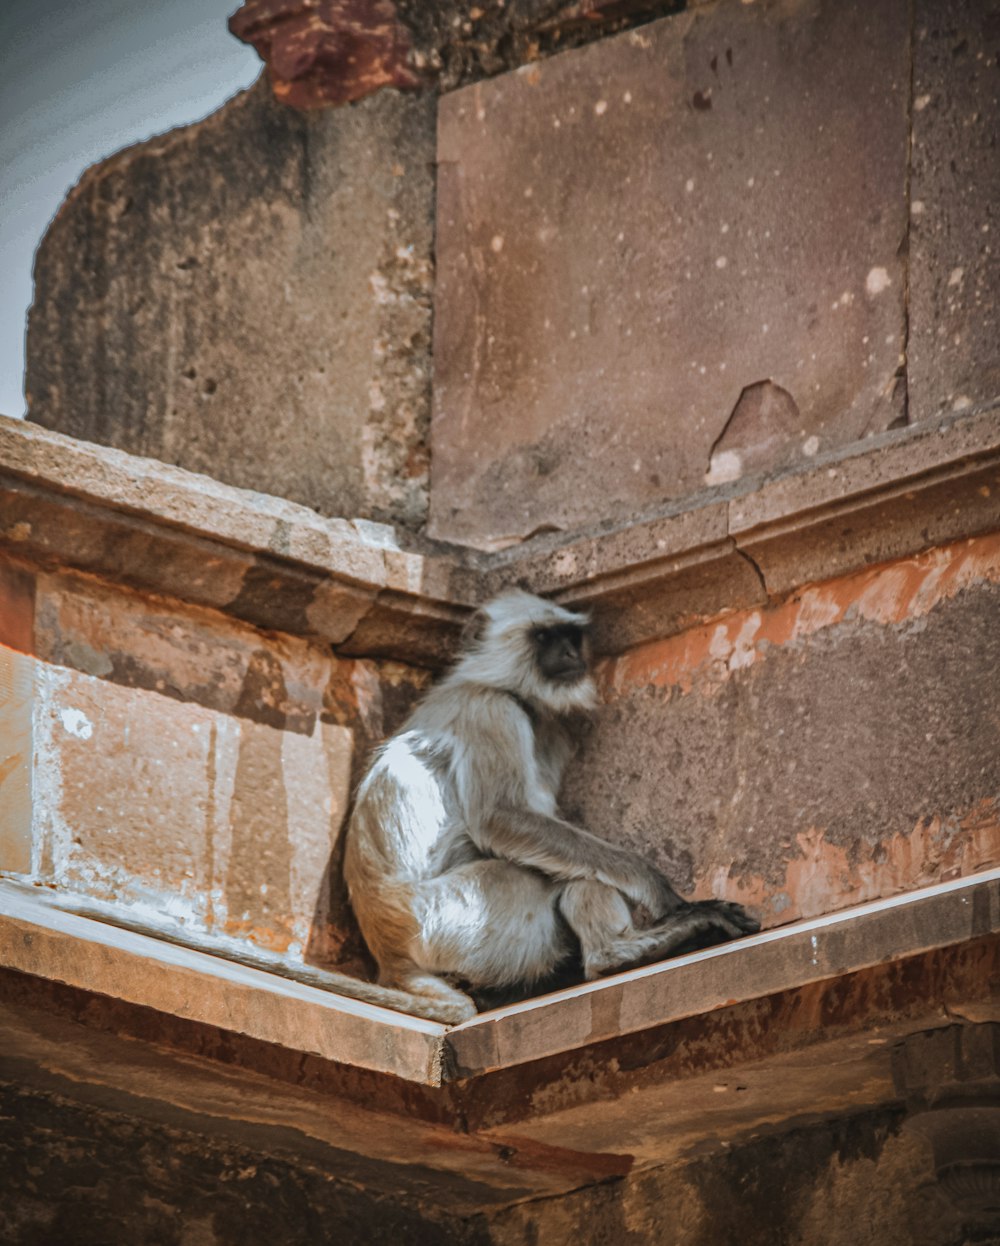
704, 657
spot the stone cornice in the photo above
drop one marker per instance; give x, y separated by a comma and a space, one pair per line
369, 590
37, 937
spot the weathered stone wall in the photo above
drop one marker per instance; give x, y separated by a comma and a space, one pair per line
838, 746
250, 297
182, 765
191, 1180
709, 249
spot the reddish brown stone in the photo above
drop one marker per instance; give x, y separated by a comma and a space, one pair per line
632, 234
17, 607
323, 52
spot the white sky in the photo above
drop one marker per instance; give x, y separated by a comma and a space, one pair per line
79, 81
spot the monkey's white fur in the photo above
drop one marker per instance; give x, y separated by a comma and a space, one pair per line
457, 863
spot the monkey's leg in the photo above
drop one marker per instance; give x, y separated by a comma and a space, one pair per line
490, 922
601, 919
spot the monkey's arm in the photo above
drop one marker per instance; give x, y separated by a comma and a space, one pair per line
567, 852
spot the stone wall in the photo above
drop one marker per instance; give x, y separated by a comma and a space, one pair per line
184, 767
709, 249
706, 249
250, 297
834, 747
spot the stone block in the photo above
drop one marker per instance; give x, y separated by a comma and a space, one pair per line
953, 356
665, 260
183, 653
16, 757
181, 812
250, 297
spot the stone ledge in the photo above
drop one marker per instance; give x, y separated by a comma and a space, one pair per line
270, 562
737, 547
37, 938
367, 590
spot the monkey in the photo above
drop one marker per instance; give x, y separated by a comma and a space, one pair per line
459, 868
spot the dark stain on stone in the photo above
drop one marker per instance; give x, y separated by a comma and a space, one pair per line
702, 100
17, 607
91, 1175
264, 696
276, 597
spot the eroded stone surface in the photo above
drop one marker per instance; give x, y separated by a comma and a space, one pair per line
832, 749
954, 347
632, 234
148, 801
330, 52
250, 297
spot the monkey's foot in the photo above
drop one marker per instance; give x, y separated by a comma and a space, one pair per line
697, 925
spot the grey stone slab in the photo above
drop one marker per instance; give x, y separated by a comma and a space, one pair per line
954, 348
250, 297
633, 234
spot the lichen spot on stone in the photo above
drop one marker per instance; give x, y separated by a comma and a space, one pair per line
877, 281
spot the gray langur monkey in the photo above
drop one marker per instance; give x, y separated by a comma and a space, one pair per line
458, 865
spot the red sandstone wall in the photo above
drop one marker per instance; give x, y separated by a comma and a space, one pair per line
836, 747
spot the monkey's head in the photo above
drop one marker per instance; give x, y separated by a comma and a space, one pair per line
532, 648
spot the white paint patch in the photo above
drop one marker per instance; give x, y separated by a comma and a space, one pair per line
601, 107
810, 446
721, 262
744, 646
955, 276
689, 185
877, 281
917, 207
725, 466
921, 102
496, 243
77, 723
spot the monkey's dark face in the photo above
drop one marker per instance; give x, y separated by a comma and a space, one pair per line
561, 652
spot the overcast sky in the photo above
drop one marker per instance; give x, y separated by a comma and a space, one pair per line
78, 81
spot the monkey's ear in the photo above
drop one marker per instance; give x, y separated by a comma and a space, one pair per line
474, 630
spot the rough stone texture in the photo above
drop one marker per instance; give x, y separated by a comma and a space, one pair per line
91, 1177
250, 297
93, 1121
323, 52
810, 755
823, 1183
269, 562
631, 234
953, 355
150, 801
